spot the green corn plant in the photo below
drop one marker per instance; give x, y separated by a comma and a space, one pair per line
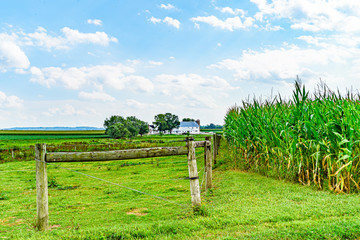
311, 138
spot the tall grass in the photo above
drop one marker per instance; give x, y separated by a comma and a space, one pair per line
313, 139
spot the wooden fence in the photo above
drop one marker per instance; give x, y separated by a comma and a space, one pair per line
42, 157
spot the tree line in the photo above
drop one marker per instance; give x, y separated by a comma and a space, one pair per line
212, 126
120, 127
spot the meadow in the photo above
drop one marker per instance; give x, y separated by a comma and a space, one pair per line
242, 205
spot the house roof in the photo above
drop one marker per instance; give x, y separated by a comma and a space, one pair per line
189, 124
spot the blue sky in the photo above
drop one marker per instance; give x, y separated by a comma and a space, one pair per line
75, 63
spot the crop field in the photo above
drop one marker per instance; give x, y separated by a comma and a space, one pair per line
241, 205
23, 135
312, 139
219, 131
20, 147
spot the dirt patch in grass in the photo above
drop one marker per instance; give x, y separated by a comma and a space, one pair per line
54, 226
138, 212
11, 221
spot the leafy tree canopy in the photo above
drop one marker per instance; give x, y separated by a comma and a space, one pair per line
119, 127
166, 121
211, 126
188, 120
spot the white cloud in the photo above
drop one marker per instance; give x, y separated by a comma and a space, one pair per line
146, 106
76, 78
229, 24
192, 89
11, 55
168, 20
155, 20
96, 22
155, 63
75, 37
115, 76
71, 37
172, 22
167, 6
287, 62
96, 95
65, 110
41, 38
310, 15
10, 101
316, 41
231, 11
138, 83
136, 104
71, 78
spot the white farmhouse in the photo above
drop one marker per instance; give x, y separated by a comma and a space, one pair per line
187, 127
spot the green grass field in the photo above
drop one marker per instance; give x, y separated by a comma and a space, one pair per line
219, 131
242, 205
20, 147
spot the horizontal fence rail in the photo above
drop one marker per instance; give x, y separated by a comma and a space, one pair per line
120, 154
115, 154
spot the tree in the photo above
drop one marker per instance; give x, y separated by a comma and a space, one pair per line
144, 128
188, 120
112, 120
166, 121
119, 127
118, 130
136, 126
160, 122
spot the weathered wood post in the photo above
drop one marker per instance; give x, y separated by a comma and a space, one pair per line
41, 188
193, 175
214, 147
208, 163
218, 141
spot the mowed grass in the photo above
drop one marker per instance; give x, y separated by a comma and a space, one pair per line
241, 206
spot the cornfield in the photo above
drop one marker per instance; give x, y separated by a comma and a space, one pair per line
313, 139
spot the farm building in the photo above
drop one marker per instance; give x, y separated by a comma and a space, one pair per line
187, 127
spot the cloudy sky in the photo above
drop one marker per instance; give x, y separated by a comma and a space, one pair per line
74, 63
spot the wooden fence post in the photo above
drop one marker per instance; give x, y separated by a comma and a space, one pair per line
41, 188
193, 175
214, 147
218, 141
208, 163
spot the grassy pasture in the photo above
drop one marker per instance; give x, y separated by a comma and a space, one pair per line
241, 206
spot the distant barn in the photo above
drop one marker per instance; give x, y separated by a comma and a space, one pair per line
187, 127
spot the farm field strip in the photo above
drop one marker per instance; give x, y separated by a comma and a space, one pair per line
22, 149
50, 132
